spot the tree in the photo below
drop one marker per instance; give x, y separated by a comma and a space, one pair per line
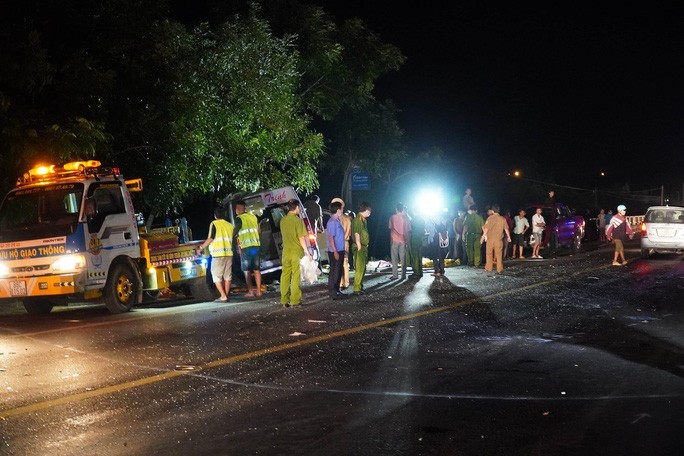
191, 110
340, 64
39, 119
234, 121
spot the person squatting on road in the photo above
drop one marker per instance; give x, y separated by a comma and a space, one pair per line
249, 246
294, 248
400, 235
220, 243
618, 230
345, 219
472, 231
492, 233
336, 255
360, 246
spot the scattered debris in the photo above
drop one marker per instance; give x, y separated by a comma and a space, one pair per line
317, 321
185, 367
297, 333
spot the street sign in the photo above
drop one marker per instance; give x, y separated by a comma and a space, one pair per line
360, 180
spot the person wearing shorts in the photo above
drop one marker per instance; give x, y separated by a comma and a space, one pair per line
249, 246
520, 227
220, 243
538, 224
619, 230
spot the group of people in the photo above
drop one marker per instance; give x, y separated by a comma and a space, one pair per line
224, 240
410, 239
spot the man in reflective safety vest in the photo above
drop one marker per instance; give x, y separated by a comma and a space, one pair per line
220, 243
249, 246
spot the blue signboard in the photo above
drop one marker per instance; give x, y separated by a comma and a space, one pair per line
360, 180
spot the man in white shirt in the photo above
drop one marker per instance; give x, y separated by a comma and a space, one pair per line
521, 225
538, 225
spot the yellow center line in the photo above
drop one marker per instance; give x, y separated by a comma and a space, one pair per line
38, 406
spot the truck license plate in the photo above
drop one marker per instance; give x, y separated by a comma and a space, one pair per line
18, 288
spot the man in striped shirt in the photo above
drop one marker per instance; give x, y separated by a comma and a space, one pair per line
618, 229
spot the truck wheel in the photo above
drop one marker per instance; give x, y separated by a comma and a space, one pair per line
123, 289
38, 306
644, 254
577, 242
201, 291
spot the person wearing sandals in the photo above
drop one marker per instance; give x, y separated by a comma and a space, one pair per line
249, 246
220, 243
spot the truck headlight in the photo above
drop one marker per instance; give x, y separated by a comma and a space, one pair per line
4, 270
69, 263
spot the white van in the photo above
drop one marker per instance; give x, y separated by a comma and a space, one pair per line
270, 206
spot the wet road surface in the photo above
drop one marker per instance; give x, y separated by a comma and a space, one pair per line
560, 356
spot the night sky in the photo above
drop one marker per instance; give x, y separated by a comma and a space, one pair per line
579, 90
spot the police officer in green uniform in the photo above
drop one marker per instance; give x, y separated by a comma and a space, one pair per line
473, 224
360, 245
295, 247
220, 243
249, 246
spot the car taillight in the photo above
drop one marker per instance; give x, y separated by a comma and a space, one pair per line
312, 238
643, 230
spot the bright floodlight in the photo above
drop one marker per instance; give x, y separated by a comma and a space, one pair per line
430, 202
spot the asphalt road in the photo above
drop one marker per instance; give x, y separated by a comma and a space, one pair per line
552, 357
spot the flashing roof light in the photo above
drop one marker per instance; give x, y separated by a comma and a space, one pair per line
48, 172
41, 170
81, 165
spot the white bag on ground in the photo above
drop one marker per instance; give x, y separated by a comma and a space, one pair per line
309, 269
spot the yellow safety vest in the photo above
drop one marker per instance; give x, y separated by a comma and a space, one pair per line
222, 245
249, 231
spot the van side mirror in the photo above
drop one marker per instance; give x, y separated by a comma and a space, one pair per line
90, 208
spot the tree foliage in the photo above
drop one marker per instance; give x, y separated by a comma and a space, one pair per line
233, 119
191, 106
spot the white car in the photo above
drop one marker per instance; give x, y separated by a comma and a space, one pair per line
662, 230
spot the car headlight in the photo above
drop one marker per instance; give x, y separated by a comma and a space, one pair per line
4, 270
69, 263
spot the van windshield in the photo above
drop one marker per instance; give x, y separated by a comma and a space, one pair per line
39, 212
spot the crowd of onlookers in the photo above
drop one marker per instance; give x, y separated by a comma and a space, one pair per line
465, 237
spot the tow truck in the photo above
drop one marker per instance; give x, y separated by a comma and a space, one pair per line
70, 233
